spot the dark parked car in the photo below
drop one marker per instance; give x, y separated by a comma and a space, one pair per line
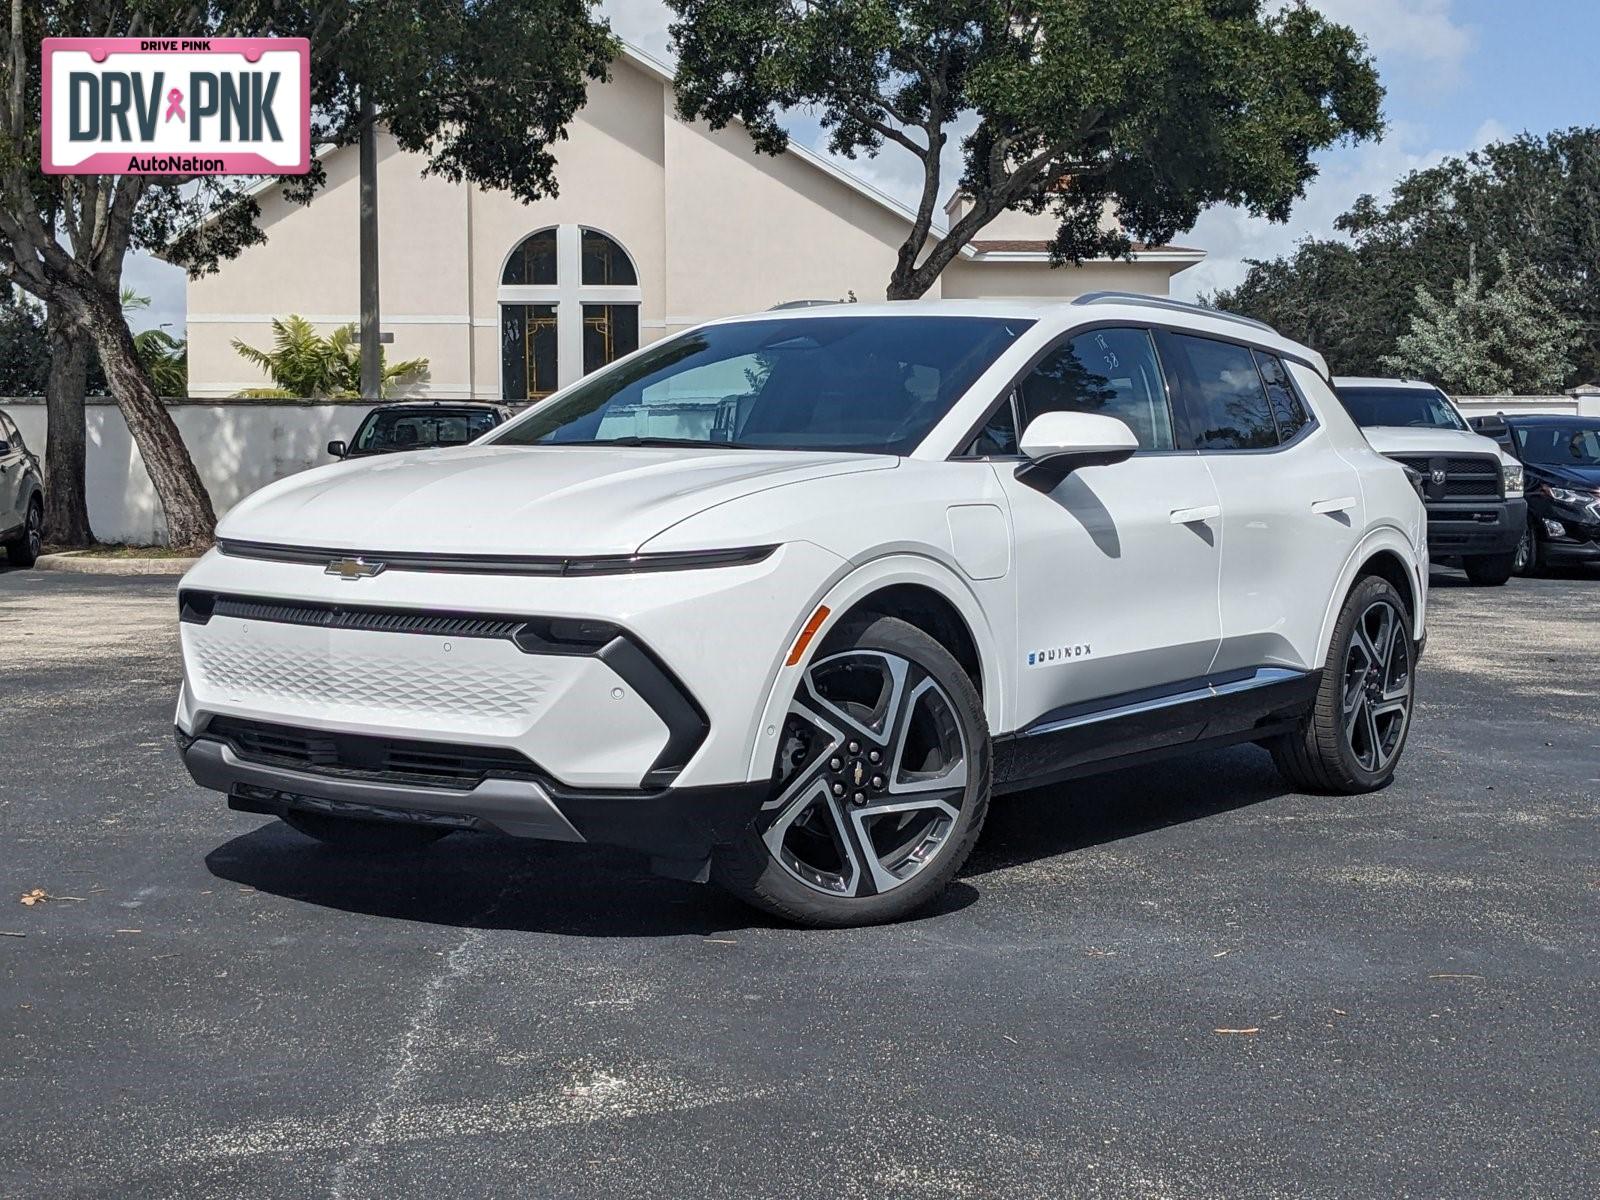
419, 425
21, 497
1560, 457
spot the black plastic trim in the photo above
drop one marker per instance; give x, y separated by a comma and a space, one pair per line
503, 564
685, 720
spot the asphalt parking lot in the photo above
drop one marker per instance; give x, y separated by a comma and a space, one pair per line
225, 1008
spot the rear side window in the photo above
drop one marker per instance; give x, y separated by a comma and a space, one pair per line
1287, 407
1112, 372
1224, 403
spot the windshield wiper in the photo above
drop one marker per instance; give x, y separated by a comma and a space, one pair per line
692, 443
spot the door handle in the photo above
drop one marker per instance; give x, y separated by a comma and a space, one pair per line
1342, 504
1189, 516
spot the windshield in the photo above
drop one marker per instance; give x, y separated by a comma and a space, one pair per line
868, 384
1559, 445
391, 429
1412, 407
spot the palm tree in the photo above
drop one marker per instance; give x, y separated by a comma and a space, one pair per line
305, 365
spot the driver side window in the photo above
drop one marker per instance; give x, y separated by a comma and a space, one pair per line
1112, 372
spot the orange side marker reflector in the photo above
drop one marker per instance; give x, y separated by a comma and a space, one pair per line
806, 634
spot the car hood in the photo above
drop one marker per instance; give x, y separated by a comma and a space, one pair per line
533, 500
1408, 439
1576, 476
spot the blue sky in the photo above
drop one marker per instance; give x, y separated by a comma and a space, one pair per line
1459, 74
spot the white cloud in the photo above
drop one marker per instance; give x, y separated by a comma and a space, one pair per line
1424, 32
641, 22
1230, 235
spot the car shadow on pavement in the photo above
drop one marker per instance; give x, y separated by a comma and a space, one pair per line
484, 881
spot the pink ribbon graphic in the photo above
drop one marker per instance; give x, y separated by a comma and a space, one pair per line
174, 105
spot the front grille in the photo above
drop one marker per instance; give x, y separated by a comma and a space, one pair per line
1466, 477
430, 764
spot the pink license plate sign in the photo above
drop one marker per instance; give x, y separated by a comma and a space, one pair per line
176, 106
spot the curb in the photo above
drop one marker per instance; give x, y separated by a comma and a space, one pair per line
81, 563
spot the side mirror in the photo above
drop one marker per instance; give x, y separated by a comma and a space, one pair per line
338, 449
1058, 443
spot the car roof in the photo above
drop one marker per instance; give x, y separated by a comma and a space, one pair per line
1572, 419
1089, 308
1377, 381
432, 405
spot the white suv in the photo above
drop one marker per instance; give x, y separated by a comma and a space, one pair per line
783, 599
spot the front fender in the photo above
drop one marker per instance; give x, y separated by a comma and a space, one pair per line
846, 591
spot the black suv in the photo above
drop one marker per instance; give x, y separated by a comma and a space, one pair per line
419, 425
21, 498
1560, 459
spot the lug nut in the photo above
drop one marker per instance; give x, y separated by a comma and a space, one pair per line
874, 756
859, 798
834, 764
877, 781
838, 789
855, 747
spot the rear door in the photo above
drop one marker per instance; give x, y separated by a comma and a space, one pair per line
1292, 506
1117, 567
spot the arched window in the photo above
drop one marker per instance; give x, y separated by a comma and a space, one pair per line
569, 304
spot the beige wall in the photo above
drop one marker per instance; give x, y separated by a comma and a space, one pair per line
713, 227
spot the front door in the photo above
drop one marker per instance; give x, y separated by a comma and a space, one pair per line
12, 460
1117, 567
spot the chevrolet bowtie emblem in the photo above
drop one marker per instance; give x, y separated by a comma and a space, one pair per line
353, 568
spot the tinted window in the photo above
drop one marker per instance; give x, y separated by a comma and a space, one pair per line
868, 384
410, 429
1113, 372
1414, 407
1225, 405
1287, 407
1559, 445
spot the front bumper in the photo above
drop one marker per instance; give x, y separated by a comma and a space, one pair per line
673, 825
1471, 528
1579, 541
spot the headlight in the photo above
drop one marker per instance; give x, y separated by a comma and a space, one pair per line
1568, 495
1511, 475
1418, 481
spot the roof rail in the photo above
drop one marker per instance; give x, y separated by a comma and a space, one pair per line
1167, 302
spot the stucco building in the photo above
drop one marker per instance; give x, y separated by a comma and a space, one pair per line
660, 224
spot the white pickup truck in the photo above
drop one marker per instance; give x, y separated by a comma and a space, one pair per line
1473, 489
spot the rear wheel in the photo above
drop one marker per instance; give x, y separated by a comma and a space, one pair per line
881, 787
23, 550
364, 837
1351, 740
1489, 570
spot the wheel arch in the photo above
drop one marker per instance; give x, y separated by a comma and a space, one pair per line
1388, 554
918, 590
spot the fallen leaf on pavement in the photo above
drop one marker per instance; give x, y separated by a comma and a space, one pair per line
39, 896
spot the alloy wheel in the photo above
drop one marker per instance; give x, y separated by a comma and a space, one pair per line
35, 531
1377, 686
1524, 559
872, 775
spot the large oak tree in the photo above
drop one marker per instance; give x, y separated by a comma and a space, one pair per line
1156, 108
483, 88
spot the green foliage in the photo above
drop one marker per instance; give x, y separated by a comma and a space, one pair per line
1488, 339
166, 358
24, 345
1529, 202
1156, 107
305, 365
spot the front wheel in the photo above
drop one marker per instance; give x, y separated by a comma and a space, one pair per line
23, 551
1526, 560
1351, 740
881, 787
1489, 570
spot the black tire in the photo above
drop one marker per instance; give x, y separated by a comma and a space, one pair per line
1489, 570
364, 837
23, 550
875, 843
1325, 754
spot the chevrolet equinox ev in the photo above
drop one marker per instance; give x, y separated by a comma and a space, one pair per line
783, 600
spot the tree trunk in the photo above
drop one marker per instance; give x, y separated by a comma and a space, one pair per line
66, 507
191, 521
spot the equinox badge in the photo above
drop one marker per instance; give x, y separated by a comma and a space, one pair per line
353, 568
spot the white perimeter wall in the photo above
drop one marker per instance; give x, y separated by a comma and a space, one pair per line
242, 445
239, 446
